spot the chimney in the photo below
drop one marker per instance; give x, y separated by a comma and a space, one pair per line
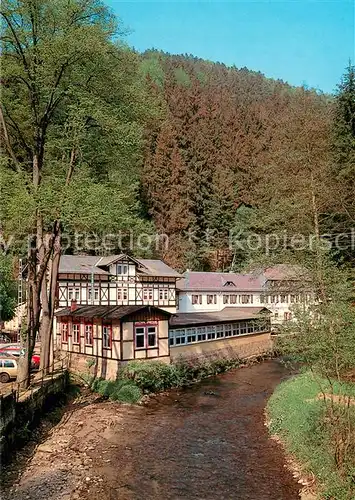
73, 306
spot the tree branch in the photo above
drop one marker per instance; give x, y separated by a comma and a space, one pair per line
7, 142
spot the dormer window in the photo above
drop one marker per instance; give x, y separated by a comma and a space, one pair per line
122, 269
229, 283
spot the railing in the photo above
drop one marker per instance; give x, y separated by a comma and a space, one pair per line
37, 379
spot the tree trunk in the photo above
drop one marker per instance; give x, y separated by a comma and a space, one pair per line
48, 298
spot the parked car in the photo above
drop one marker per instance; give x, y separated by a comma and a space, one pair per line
8, 368
16, 350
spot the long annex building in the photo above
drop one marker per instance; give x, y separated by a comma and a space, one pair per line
116, 309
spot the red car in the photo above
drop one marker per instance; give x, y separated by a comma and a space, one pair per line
15, 350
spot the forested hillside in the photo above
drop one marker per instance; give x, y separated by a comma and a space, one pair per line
237, 151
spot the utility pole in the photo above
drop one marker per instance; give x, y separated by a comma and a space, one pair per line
19, 298
92, 286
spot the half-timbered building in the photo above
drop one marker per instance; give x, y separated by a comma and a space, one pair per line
116, 280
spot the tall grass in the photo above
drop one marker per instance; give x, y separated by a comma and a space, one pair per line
300, 418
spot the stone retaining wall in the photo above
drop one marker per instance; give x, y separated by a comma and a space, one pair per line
233, 347
19, 414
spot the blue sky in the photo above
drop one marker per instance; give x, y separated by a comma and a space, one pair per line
299, 41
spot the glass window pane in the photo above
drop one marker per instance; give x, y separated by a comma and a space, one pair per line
139, 340
151, 339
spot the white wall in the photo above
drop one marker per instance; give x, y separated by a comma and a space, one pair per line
277, 307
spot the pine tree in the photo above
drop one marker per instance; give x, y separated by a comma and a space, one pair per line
344, 141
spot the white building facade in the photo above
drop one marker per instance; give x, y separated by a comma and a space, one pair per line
280, 289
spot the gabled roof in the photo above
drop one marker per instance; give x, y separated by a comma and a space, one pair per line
87, 264
80, 264
157, 268
285, 272
205, 281
112, 259
107, 312
225, 315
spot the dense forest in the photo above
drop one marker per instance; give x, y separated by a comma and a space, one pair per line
237, 153
100, 143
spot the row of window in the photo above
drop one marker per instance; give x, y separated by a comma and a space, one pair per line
248, 299
227, 299
285, 298
145, 336
122, 294
183, 336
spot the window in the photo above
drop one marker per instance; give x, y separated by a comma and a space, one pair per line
219, 331
147, 293
276, 315
243, 328
191, 335
96, 293
196, 299
211, 332
201, 333
283, 299
287, 316
233, 299
64, 332
8, 363
152, 336
274, 299
246, 299
235, 329
74, 294
88, 334
211, 299
140, 337
163, 294
122, 294
76, 333
145, 336
122, 269
264, 299
106, 336
225, 299
292, 299
228, 330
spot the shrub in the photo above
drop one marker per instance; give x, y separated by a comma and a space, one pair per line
151, 376
128, 393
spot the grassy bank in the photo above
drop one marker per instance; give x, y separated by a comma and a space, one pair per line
138, 378
301, 419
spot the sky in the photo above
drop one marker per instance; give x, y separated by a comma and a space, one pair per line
303, 42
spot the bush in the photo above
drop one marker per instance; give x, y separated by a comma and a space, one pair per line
155, 376
128, 393
139, 377
151, 376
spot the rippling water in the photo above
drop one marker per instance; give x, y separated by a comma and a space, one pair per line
206, 442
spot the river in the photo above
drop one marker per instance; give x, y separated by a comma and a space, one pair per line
207, 442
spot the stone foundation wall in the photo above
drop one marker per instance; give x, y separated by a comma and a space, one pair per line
233, 347
18, 414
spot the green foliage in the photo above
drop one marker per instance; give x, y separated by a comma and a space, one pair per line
89, 112
299, 418
123, 390
155, 376
182, 77
7, 289
151, 66
128, 393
